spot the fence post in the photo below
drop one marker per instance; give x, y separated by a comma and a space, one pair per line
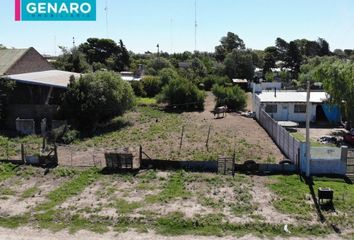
180, 145
207, 142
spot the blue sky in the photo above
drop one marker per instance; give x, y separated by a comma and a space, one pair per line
141, 24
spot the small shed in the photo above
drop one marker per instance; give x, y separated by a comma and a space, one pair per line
242, 83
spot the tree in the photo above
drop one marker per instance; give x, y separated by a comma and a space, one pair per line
183, 94
96, 97
228, 43
210, 80
282, 48
293, 59
2, 47
337, 77
72, 60
239, 64
232, 97
324, 47
270, 57
107, 52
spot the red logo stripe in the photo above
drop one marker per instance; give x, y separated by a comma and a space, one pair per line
17, 10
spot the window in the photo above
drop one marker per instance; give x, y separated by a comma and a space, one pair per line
271, 108
300, 108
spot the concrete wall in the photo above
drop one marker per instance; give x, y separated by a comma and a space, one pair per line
325, 161
32, 61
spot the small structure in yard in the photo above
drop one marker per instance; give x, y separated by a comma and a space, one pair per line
242, 83
291, 106
325, 194
119, 159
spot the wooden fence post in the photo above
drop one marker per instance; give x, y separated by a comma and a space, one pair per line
180, 145
207, 141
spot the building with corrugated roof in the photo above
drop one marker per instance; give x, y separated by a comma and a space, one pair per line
17, 61
291, 106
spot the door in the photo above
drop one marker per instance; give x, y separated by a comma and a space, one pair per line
284, 113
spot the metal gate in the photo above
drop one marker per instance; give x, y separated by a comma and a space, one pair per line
226, 166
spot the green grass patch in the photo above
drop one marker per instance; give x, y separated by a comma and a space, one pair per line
291, 194
146, 101
7, 170
69, 189
29, 192
14, 222
172, 189
125, 207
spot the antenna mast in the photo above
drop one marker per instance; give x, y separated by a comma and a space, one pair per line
106, 11
195, 25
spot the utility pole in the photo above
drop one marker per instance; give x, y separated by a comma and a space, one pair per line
73, 42
308, 143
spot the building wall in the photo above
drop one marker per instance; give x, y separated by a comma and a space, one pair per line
32, 61
285, 111
28, 111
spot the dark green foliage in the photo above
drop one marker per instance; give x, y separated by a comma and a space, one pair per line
228, 43
70, 136
183, 94
6, 87
138, 88
151, 86
72, 60
95, 98
211, 80
167, 75
239, 64
157, 64
107, 52
233, 97
337, 77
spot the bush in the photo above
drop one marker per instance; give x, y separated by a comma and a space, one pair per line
211, 80
151, 85
233, 97
167, 75
95, 98
138, 88
183, 94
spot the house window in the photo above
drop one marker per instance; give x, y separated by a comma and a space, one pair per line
300, 108
271, 108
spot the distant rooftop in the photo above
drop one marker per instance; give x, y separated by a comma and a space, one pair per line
51, 78
8, 57
292, 96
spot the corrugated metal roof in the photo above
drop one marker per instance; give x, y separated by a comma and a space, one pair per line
8, 57
52, 78
292, 96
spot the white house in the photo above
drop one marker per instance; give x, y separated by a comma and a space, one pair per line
291, 106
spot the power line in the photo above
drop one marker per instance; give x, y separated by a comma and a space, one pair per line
195, 25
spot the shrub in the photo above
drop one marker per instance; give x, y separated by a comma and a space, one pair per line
233, 97
211, 80
138, 88
95, 98
183, 94
167, 75
151, 85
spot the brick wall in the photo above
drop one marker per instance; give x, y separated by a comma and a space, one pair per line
31, 61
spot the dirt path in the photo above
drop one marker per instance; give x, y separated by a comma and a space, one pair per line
31, 234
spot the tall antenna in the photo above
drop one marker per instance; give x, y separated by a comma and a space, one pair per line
73, 42
195, 25
106, 11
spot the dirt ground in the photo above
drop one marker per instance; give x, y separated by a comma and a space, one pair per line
33, 234
159, 133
